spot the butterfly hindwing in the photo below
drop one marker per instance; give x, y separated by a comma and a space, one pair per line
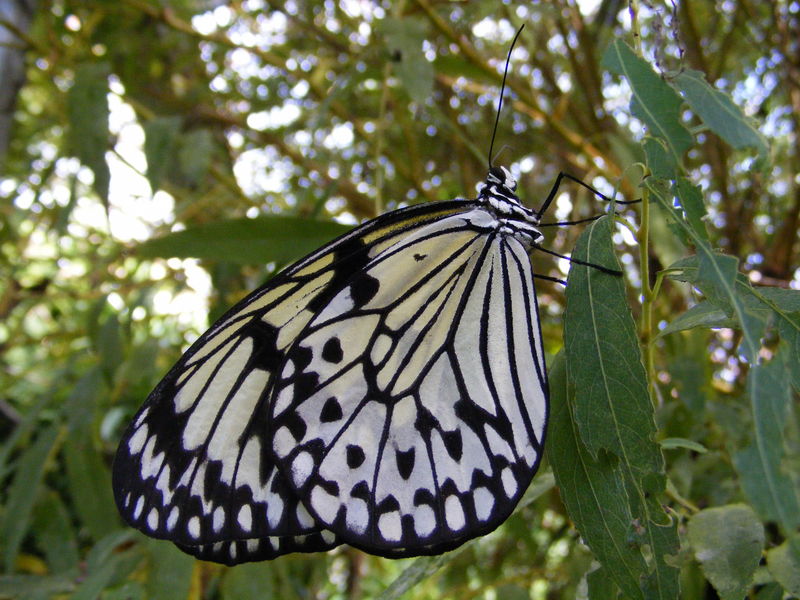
195, 466
409, 414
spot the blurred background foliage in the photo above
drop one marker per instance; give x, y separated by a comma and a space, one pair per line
259, 130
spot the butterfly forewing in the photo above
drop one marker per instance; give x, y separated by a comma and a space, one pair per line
196, 465
409, 414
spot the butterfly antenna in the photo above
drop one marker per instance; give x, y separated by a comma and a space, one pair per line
502, 89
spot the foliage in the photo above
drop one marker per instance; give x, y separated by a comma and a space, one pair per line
673, 447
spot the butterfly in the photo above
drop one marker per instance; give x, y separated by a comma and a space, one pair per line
388, 391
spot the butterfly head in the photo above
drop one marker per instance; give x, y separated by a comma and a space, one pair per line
501, 176
498, 194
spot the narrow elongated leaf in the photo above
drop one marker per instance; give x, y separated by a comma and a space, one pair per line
170, 572
767, 487
55, 535
727, 541
723, 117
703, 314
35, 586
271, 238
612, 407
159, 146
420, 569
88, 122
89, 481
24, 487
613, 410
593, 491
654, 102
194, 153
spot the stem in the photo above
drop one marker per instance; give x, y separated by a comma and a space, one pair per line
648, 293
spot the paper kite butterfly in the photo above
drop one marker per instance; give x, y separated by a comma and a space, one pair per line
388, 391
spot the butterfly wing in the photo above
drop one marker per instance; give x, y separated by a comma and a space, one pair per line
195, 465
409, 415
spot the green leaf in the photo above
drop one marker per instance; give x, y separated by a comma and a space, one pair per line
87, 107
613, 410
22, 493
417, 75
96, 581
691, 199
659, 160
170, 572
727, 541
33, 586
717, 274
55, 536
601, 586
704, 314
592, 490
720, 114
195, 150
784, 563
404, 39
89, 484
420, 569
767, 487
250, 581
654, 102
109, 345
160, 136
271, 238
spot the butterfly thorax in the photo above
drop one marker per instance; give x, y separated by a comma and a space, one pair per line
498, 195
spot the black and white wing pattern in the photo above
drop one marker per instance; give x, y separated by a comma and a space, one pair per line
388, 391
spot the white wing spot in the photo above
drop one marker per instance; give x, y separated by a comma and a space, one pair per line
325, 505
303, 517
454, 513
141, 417
509, 482
233, 551
172, 519
302, 465
357, 515
390, 526
136, 443
194, 527
274, 510
424, 520
245, 517
219, 518
484, 503
152, 519
138, 508
252, 544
